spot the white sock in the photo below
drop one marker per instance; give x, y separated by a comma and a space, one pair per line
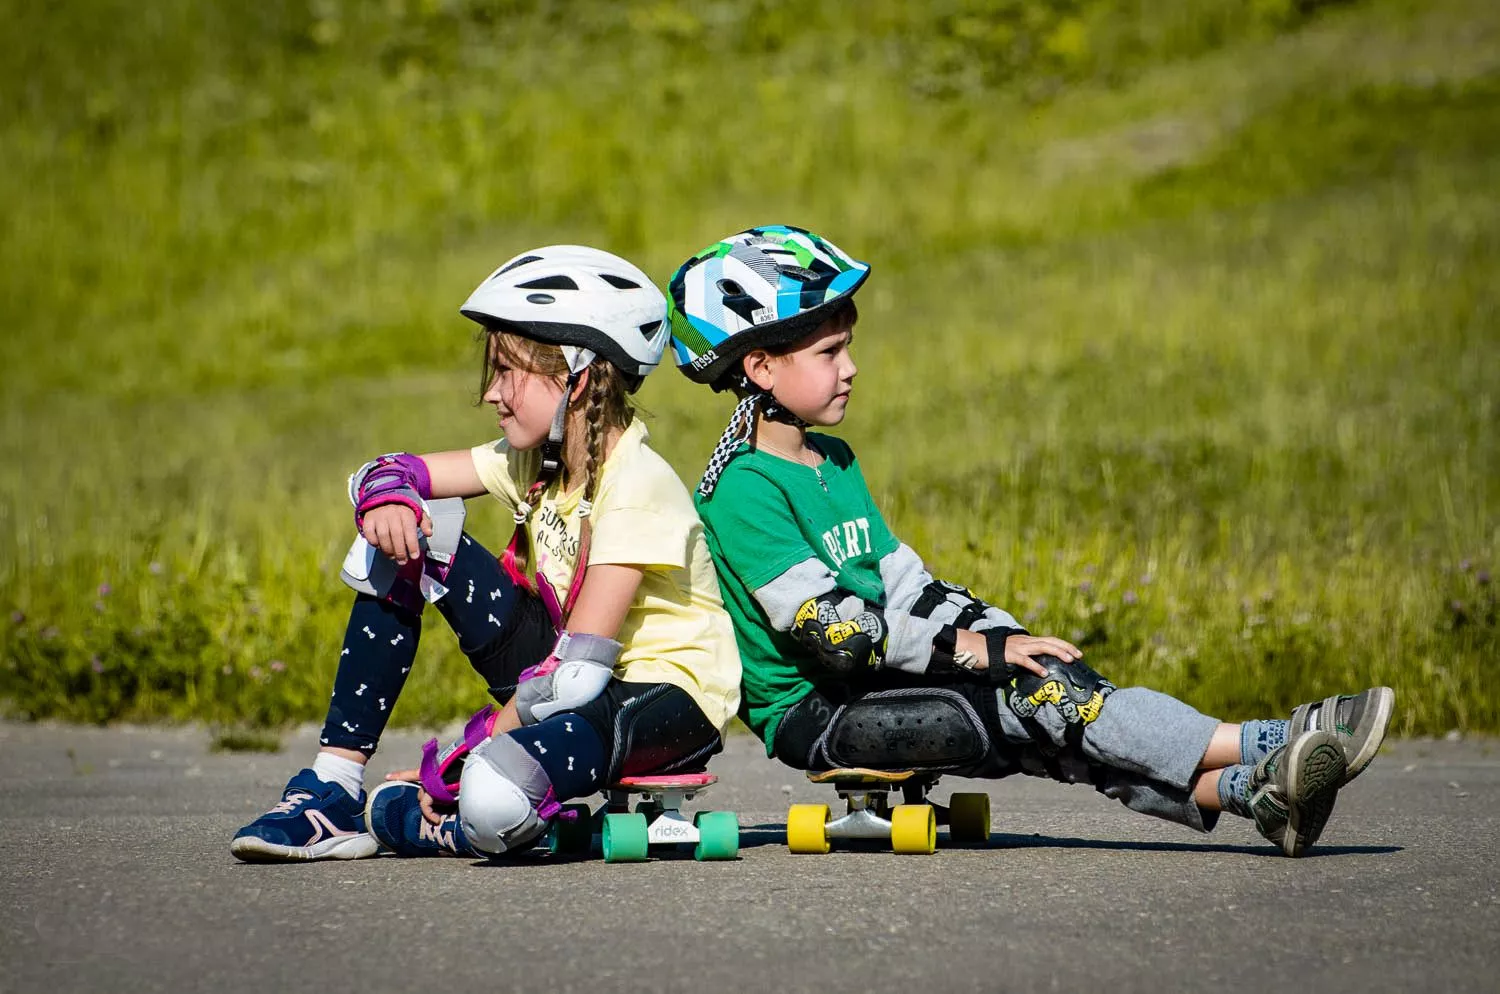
347, 773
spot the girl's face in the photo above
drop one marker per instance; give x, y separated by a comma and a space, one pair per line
524, 401
813, 380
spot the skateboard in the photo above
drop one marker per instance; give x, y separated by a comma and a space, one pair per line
626, 836
911, 827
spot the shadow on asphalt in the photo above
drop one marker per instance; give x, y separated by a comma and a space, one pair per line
1002, 841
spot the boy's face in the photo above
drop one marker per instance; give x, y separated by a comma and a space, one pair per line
814, 379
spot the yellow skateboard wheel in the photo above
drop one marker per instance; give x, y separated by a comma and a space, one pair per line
969, 818
806, 828
914, 828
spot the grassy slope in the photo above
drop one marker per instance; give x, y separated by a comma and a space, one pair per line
1194, 360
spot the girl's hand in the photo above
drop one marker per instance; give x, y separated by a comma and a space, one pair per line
423, 798
392, 528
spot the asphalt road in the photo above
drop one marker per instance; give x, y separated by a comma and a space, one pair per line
115, 875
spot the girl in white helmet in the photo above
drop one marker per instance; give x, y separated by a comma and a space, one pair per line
854, 655
600, 628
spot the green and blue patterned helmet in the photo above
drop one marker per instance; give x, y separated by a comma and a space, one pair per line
762, 288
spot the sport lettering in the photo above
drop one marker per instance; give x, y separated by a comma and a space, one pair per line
850, 539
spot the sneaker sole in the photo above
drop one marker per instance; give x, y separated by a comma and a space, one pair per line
384, 845
1383, 704
1315, 771
255, 850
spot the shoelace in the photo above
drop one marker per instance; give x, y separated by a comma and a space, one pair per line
289, 803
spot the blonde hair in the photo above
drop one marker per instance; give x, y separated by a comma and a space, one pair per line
606, 399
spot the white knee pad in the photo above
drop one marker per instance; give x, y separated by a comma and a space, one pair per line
499, 791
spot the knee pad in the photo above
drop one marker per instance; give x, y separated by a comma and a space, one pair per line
925, 728
1074, 689
505, 800
660, 730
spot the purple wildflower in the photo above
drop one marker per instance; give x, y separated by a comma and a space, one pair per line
96, 665
156, 569
277, 666
1130, 597
105, 590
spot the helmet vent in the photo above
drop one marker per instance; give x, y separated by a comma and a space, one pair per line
549, 283
619, 282
541, 298
520, 262
730, 288
650, 328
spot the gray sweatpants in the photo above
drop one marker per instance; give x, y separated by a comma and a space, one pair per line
1143, 750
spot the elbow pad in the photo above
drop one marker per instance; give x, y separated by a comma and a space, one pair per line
577, 672
841, 647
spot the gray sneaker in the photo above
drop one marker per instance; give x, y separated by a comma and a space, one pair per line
1359, 721
1293, 790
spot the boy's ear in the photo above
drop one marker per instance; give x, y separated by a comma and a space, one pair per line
758, 368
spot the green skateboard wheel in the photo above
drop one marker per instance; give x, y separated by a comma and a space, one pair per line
572, 835
718, 835
624, 838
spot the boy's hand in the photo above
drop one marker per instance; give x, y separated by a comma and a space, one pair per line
392, 528
1019, 650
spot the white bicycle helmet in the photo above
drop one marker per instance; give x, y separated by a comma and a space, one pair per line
581, 299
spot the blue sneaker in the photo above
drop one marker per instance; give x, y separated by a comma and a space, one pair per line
394, 817
315, 820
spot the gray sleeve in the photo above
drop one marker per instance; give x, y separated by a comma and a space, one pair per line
781, 598
918, 607
908, 638
909, 647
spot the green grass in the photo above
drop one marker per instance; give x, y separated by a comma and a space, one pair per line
1182, 340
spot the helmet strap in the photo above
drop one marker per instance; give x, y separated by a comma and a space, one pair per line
741, 425
578, 360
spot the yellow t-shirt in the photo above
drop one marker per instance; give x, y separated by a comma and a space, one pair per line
676, 630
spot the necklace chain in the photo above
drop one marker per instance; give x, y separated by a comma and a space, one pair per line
796, 457
799, 460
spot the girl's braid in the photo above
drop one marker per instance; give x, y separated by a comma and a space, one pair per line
593, 416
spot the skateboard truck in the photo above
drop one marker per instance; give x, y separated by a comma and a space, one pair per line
911, 827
